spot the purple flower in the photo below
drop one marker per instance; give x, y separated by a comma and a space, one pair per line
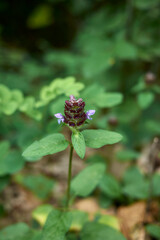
60, 117
72, 98
90, 113
74, 114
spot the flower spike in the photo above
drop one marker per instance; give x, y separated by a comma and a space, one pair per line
74, 114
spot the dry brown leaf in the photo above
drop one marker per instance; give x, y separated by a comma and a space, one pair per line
91, 206
139, 234
131, 216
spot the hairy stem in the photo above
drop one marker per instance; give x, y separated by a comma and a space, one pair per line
69, 176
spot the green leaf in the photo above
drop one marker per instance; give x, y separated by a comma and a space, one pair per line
87, 180
95, 95
136, 185
40, 185
69, 86
5, 93
19, 231
96, 158
58, 105
9, 100
145, 99
153, 230
17, 96
59, 86
41, 213
4, 148
56, 226
109, 220
156, 89
137, 190
127, 155
78, 220
140, 86
132, 175
125, 50
156, 184
124, 112
99, 138
97, 231
27, 133
145, 4
4, 182
110, 186
97, 62
51, 144
29, 107
91, 93
79, 143
9, 107
153, 127
109, 100
11, 163
105, 201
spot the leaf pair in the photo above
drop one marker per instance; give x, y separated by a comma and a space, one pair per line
56, 143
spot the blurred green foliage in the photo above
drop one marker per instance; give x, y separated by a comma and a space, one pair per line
108, 53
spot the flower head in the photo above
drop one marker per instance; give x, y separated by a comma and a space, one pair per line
74, 114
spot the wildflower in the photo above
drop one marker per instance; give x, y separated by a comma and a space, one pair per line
74, 114
60, 117
90, 113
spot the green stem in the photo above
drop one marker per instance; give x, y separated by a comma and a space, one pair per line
69, 176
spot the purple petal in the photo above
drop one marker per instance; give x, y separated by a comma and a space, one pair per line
60, 117
60, 120
72, 98
80, 100
90, 113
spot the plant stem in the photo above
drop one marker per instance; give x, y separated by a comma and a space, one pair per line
69, 176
